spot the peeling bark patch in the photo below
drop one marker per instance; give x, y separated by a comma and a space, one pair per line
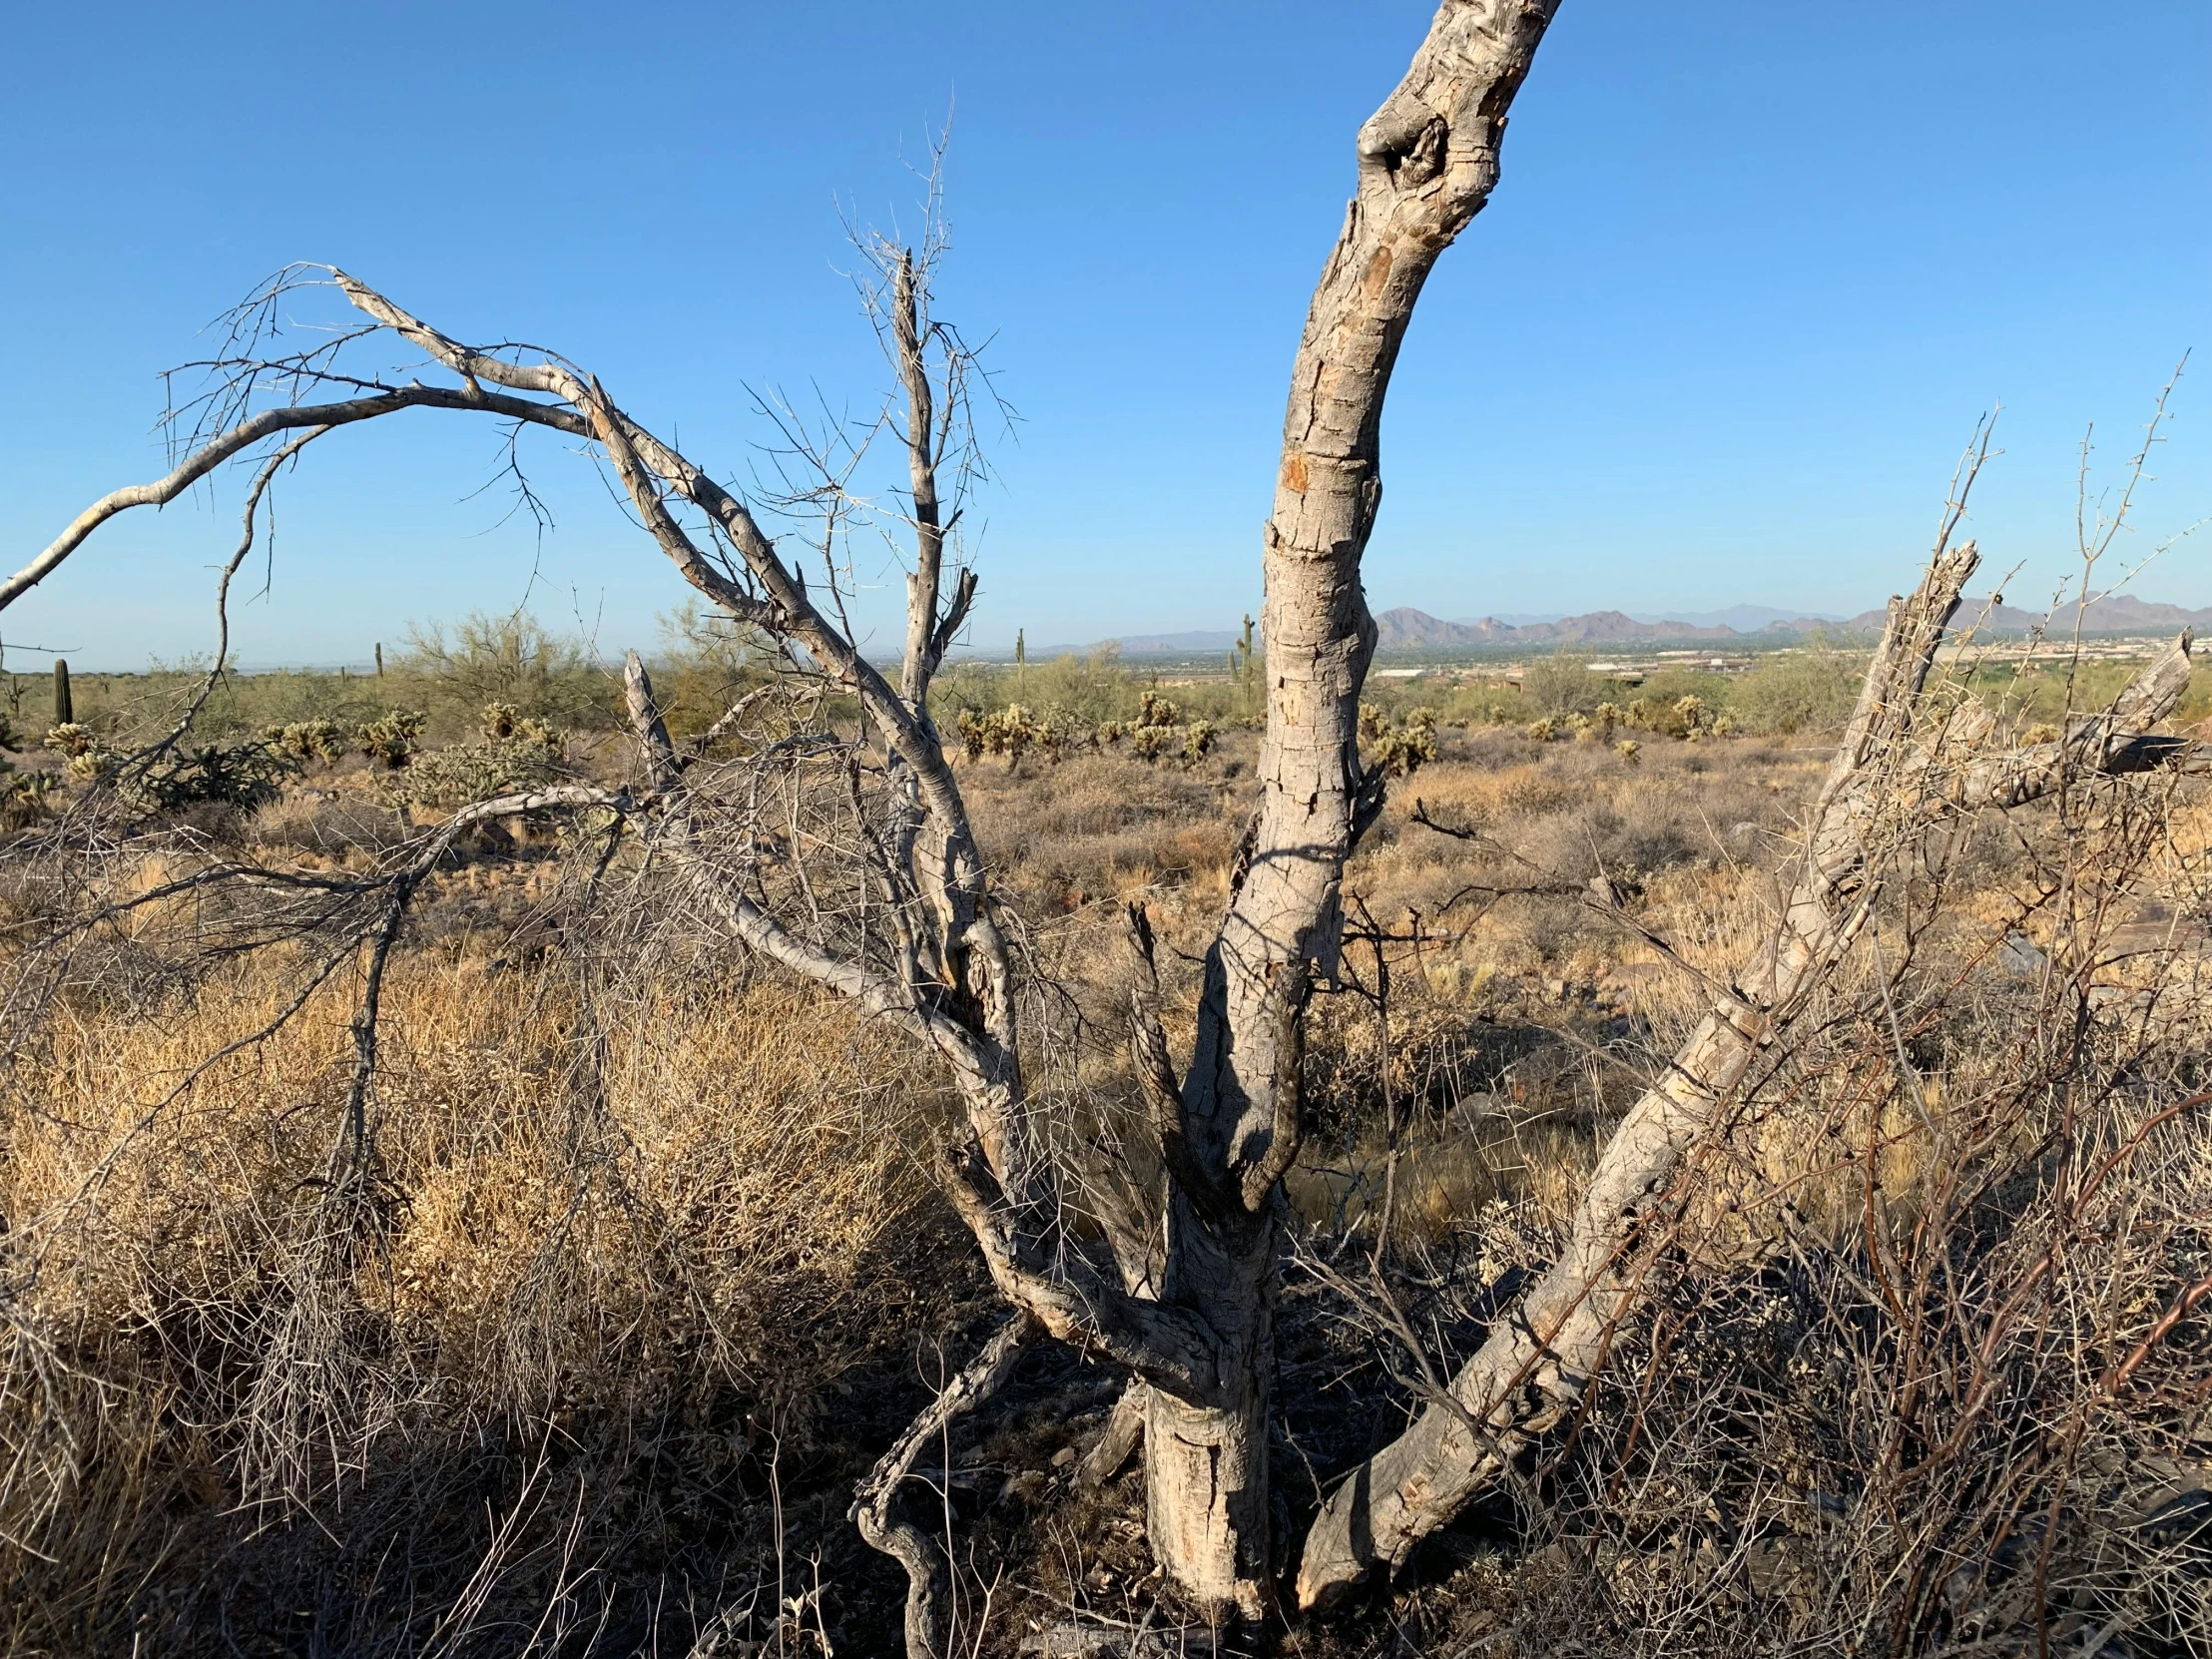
1294, 472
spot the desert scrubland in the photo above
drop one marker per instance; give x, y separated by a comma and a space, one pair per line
573, 1327
783, 1145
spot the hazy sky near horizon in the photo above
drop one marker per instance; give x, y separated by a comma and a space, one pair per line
1753, 272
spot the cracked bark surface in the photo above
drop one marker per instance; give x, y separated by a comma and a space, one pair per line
1427, 161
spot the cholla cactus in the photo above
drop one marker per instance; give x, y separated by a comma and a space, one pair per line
1011, 732
503, 722
320, 739
1545, 730
1582, 728
70, 739
1686, 717
1111, 732
1607, 717
1061, 731
24, 795
84, 758
1016, 733
392, 740
1398, 750
1628, 749
242, 776
1158, 711
1198, 738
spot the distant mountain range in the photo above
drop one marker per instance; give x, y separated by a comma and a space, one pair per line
1745, 619
1406, 629
1163, 645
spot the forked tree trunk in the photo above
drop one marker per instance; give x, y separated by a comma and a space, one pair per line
1427, 161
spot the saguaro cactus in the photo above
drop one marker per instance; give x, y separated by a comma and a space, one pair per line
65, 708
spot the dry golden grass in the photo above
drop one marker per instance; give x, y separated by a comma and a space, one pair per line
718, 1214
717, 1123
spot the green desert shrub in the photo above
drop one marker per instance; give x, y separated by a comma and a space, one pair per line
1561, 685
707, 663
1808, 689
513, 660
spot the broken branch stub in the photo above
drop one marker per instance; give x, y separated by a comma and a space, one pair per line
1537, 1360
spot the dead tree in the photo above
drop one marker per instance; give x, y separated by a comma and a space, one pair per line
1427, 161
920, 946
939, 966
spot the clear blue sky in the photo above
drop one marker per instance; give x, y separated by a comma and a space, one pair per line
1755, 267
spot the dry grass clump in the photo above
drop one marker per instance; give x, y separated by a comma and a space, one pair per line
705, 1217
1101, 826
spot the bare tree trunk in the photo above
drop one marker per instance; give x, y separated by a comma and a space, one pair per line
1427, 161
1206, 1462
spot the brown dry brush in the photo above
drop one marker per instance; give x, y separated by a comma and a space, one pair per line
1926, 1401
1915, 1362
438, 1289
542, 1179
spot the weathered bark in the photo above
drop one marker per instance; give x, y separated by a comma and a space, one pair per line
1206, 1458
1124, 1429
661, 767
1535, 1363
2111, 741
923, 584
1427, 161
